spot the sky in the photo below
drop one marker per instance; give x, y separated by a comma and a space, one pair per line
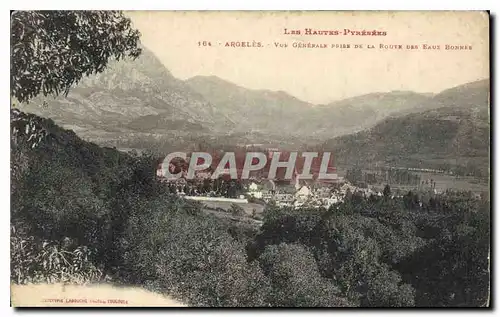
321, 75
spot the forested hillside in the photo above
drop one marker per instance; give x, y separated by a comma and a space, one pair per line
72, 197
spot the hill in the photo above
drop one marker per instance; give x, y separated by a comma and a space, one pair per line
455, 133
254, 110
361, 112
471, 95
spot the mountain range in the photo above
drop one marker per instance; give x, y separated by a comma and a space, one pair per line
139, 103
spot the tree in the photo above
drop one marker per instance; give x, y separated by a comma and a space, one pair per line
189, 255
385, 289
387, 190
296, 281
52, 50
59, 201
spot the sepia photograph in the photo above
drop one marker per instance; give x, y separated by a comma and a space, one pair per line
276, 159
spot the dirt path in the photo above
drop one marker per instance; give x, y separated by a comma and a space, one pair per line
58, 295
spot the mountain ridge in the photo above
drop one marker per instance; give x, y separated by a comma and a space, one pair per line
141, 99
455, 135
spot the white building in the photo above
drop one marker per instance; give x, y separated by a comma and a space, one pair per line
254, 191
304, 191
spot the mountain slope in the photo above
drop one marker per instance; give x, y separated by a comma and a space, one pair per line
471, 95
357, 113
125, 91
254, 110
261, 110
456, 133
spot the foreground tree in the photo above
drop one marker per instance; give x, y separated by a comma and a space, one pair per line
296, 280
52, 50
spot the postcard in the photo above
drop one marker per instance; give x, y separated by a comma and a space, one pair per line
250, 159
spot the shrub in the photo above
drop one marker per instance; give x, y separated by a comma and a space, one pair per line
36, 261
237, 210
60, 202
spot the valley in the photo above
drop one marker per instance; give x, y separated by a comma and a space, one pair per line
141, 105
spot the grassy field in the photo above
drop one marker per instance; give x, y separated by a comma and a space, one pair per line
248, 207
444, 182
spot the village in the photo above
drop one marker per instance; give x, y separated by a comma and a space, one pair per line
258, 190
295, 193
302, 194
